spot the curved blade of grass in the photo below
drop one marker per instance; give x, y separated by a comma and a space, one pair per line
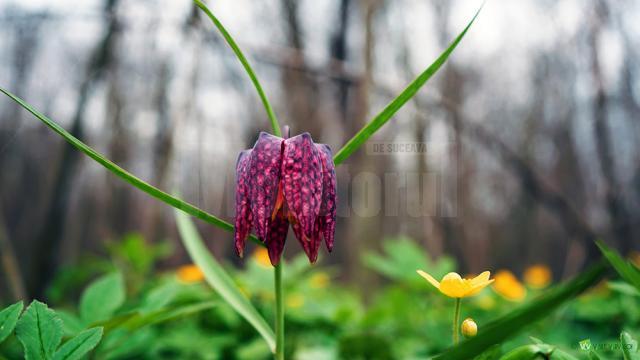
624, 268
243, 60
125, 175
374, 125
511, 323
218, 278
136, 319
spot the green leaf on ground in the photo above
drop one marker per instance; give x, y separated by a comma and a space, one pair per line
79, 345
9, 318
102, 298
40, 331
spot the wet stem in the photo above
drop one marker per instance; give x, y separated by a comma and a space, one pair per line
456, 321
279, 312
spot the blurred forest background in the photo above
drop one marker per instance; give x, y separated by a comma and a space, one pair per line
532, 127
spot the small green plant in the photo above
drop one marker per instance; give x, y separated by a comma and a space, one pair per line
40, 331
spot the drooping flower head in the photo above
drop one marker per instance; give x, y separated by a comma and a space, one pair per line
282, 182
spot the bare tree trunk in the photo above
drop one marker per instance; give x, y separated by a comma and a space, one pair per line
363, 230
50, 236
618, 214
10, 264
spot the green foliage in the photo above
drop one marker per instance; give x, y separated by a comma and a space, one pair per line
625, 269
245, 64
629, 347
365, 346
509, 324
402, 257
168, 318
136, 254
9, 319
219, 280
122, 173
396, 104
102, 298
80, 345
40, 331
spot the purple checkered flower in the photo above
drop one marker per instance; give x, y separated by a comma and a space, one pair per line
281, 182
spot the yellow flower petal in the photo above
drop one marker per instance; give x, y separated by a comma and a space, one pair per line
454, 286
476, 288
429, 278
508, 286
483, 277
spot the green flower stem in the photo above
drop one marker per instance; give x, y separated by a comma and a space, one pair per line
456, 321
279, 312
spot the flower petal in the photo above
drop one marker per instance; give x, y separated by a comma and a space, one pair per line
264, 176
328, 207
276, 237
478, 286
454, 286
310, 245
483, 277
243, 209
302, 181
429, 278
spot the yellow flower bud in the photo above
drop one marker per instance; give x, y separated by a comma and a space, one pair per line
469, 328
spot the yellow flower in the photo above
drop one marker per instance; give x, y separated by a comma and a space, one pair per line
261, 256
319, 280
295, 301
469, 328
537, 276
508, 286
455, 286
190, 274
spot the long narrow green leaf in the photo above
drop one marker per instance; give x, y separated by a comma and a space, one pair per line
218, 278
627, 271
135, 320
243, 60
125, 175
374, 125
509, 324
80, 345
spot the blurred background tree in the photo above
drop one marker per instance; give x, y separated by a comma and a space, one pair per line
531, 127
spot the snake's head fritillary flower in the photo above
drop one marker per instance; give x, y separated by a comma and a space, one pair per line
453, 285
282, 182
